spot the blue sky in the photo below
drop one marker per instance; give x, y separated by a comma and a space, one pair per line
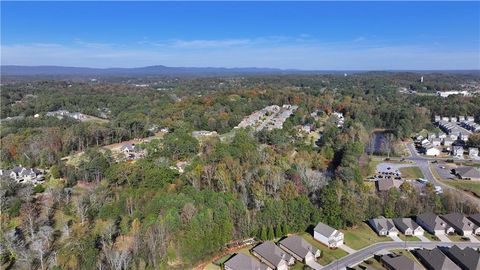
302, 35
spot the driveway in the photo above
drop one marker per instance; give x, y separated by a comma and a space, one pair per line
443, 238
423, 238
348, 249
396, 238
473, 239
314, 265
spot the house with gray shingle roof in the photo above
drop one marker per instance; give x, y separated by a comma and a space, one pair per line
299, 248
328, 235
467, 258
434, 224
241, 261
467, 173
271, 255
399, 262
407, 226
383, 226
461, 224
475, 218
435, 259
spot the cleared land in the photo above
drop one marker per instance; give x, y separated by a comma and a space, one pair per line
411, 172
362, 236
465, 185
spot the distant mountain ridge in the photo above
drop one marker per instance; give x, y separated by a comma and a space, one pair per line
17, 70
14, 70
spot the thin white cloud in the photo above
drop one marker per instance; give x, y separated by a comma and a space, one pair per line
279, 52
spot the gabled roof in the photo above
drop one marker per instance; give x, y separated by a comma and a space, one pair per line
400, 262
432, 220
386, 184
436, 260
405, 223
129, 147
467, 172
383, 224
271, 253
475, 218
460, 221
324, 229
298, 245
468, 257
241, 261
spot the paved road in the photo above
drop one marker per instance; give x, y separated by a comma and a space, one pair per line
369, 251
424, 164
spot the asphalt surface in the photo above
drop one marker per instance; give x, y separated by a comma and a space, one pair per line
424, 164
359, 256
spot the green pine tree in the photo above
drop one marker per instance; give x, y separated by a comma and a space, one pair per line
263, 233
278, 231
285, 229
271, 234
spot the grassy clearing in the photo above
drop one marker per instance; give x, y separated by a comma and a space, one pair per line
328, 255
465, 185
431, 237
362, 236
457, 238
411, 172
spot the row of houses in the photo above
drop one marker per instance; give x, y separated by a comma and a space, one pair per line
24, 175
269, 256
439, 258
460, 118
270, 117
472, 126
293, 248
455, 129
64, 113
434, 224
430, 145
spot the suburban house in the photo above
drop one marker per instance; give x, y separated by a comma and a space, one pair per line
21, 174
203, 133
383, 226
435, 259
475, 218
387, 184
407, 226
128, 148
271, 255
467, 258
447, 142
461, 224
399, 262
432, 151
473, 152
241, 261
328, 235
434, 224
299, 248
457, 151
436, 141
467, 173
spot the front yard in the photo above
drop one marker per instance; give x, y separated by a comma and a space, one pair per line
328, 255
362, 236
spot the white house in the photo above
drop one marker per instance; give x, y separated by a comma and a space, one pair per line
436, 141
432, 151
328, 235
434, 224
407, 226
447, 141
458, 151
383, 226
473, 152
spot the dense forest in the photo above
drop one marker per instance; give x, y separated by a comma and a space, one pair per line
100, 213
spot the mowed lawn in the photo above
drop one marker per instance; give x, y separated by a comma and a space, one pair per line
408, 238
328, 255
362, 236
411, 172
465, 185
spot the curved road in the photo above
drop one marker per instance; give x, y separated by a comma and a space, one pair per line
424, 164
369, 251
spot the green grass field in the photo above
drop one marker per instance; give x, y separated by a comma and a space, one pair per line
465, 185
457, 238
328, 255
411, 172
431, 237
362, 236
408, 238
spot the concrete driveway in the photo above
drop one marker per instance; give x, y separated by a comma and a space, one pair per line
314, 265
348, 249
395, 238
443, 238
423, 238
